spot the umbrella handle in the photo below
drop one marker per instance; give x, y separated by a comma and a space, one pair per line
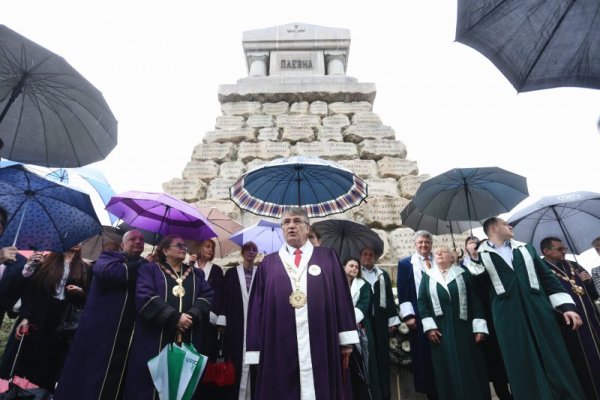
20, 223
178, 338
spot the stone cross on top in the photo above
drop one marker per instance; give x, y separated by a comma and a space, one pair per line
296, 49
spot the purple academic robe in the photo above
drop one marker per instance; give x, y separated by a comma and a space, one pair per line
287, 369
96, 361
156, 321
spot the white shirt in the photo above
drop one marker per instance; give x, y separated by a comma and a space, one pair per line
505, 251
369, 275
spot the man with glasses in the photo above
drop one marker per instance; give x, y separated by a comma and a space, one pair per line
95, 365
301, 324
584, 343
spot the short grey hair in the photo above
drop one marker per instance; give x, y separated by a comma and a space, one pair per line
423, 233
296, 212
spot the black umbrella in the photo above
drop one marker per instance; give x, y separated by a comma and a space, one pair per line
574, 218
50, 115
536, 44
348, 238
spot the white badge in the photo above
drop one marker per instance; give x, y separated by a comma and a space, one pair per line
314, 270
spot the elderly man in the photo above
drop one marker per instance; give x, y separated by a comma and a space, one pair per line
301, 323
584, 343
96, 362
523, 292
410, 271
385, 320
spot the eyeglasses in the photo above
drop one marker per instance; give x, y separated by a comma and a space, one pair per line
180, 246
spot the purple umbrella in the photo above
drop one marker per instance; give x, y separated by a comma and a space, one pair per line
267, 236
161, 214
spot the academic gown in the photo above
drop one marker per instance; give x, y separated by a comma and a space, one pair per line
235, 311
458, 362
157, 316
522, 300
11, 285
95, 365
420, 354
384, 316
584, 343
298, 350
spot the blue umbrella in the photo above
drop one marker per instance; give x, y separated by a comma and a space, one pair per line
471, 194
573, 217
44, 215
267, 236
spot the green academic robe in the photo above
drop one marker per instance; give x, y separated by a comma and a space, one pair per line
452, 308
522, 299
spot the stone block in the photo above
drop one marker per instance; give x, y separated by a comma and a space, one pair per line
358, 133
263, 150
387, 254
382, 187
218, 152
271, 134
329, 134
350, 108
227, 207
446, 240
219, 188
403, 242
319, 108
299, 108
200, 170
327, 150
382, 211
229, 122
294, 135
254, 164
392, 167
361, 168
298, 121
336, 121
260, 121
279, 108
185, 189
377, 149
243, 108
230, 136
366, 118
232, 170
410, 183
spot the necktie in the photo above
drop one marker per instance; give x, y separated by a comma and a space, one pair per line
427, 264
298, 256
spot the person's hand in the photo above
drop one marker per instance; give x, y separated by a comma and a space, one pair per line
411, 323
185, 322
434, 336
584, 276
22, 329
36, 258
151, 257
74, 290
346, 351
392, 329
572, 319
193, 258
479, 338
220, 329
8, 254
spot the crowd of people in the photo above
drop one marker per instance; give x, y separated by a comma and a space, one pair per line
302, 324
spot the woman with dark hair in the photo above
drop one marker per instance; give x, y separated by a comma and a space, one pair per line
238, 285
361, 293
172, 301
60, 282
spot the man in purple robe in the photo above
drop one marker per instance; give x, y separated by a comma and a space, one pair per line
301, 323
95, 366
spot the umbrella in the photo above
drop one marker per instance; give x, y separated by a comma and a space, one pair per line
348, 238
470, 194
267, 236
320, 187
44, 215
224, 227
92, 247
535, 44
50, 115
573, 217
161, 214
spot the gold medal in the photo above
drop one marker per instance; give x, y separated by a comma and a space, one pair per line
578, 290
297, 299
178, 291
179, 281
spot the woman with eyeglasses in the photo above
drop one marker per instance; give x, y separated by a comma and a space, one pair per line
172, 301
238, 285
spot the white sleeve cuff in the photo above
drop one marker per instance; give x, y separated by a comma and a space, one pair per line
393, 321
480, 326
348, 337
358, 315
428, 324
213, 318
222, 320
252, 357
406, 309
558, 299
475, 269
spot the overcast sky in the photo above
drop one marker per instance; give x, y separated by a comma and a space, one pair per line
159, 65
